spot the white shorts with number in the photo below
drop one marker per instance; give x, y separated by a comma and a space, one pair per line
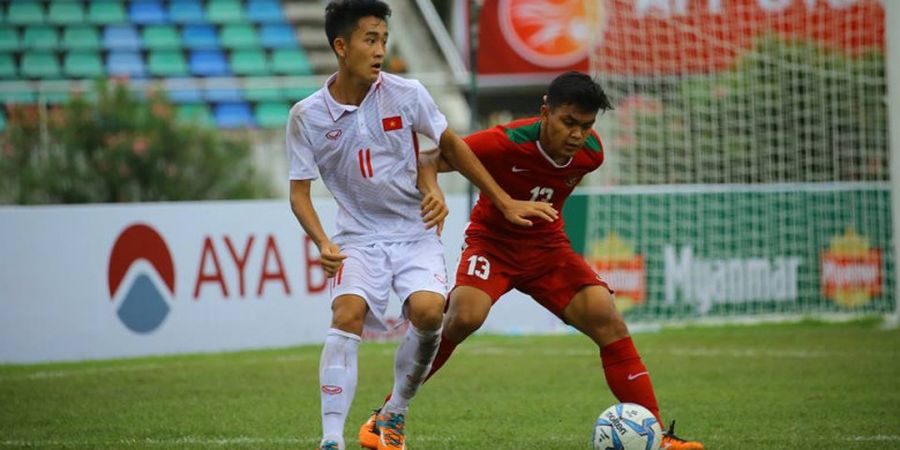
371, 271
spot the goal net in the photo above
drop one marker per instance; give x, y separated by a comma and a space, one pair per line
747, 159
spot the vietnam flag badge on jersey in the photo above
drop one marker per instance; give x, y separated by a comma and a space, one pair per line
392, 123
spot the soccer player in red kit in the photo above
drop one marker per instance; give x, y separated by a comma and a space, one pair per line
542, 159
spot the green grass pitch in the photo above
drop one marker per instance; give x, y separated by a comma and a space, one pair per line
792, 386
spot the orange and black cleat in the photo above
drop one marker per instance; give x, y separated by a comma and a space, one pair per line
368, 432
672, 442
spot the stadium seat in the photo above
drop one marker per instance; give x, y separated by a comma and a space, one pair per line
197, 114
25, 13
83, 65
224, 91
7, 66
272, 114
55, 92
81, 37
186, 12
263, 94
129, 64
225, 11
167, 63
147, 12
239, 36
277, 36
121, 37
161, 37
40, 65
249, 62
182, 90
13, 95
199, 37
2, 121
233, 115
9, 39
265, 11
65, 13
106, 12
296, 94
290, 62
40, 37
208, 63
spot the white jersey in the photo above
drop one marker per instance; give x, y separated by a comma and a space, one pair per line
367, 156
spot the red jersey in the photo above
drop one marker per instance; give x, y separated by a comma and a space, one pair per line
514, 157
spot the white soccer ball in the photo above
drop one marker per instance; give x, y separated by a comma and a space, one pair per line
626, 426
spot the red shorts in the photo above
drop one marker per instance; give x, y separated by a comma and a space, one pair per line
551, 274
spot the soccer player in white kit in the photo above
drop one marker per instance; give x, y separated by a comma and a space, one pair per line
359, 134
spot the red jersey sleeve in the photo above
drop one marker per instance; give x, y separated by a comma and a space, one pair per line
487, 145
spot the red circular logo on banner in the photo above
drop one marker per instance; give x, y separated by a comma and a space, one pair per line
552, 33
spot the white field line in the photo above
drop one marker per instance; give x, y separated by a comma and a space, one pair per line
876, 438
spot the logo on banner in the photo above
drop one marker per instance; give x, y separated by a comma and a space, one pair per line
618, 265
145, 303
851, 270
552, 33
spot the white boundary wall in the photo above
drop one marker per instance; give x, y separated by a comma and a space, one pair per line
55, 302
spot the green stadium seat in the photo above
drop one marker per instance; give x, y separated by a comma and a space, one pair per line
296, 94
225, 11
17, 96
83, 65
290, 62
40, 37
2, 121
65, 13
271, 114
194, 113
161, 37
40, 65
9, 39
167, 63
106, 12
7, 66
260, 94
249, 62
81, 37
25, 13
239, 36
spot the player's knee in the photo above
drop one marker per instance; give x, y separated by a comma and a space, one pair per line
348, 319
464, 322
426, 314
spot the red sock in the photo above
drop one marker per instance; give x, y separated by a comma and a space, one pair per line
445, 349
627, 376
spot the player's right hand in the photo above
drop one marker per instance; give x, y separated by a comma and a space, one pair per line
518, 210
331, 257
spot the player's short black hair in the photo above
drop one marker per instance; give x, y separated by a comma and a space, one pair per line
342, 16
578, 89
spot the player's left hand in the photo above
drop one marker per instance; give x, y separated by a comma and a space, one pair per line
434, 210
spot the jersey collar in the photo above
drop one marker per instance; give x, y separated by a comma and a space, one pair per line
338, 109
548, 158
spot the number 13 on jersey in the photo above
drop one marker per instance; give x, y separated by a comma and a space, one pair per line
543, 194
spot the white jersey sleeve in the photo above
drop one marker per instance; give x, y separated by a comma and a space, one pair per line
428, 119
301, 157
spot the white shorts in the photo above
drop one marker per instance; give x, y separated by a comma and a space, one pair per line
371, 271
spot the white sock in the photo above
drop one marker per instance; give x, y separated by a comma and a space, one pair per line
413, 361
337, 381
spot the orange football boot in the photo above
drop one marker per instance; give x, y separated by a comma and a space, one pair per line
368, 432
391, 431
672, 442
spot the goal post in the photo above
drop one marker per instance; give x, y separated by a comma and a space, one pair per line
749, 170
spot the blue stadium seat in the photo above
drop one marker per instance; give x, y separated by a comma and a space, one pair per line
224, 92
265, 11
147, 12
187, 12
197, 37
277, 36
233, 115
182, 90
208, 63
129, 64
121, 37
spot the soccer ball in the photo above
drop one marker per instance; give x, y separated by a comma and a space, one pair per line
626, 426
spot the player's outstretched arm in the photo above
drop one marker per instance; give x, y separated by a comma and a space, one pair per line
301, 205
434, 207
458, 155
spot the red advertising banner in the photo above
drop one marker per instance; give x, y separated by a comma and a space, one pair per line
657, 37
